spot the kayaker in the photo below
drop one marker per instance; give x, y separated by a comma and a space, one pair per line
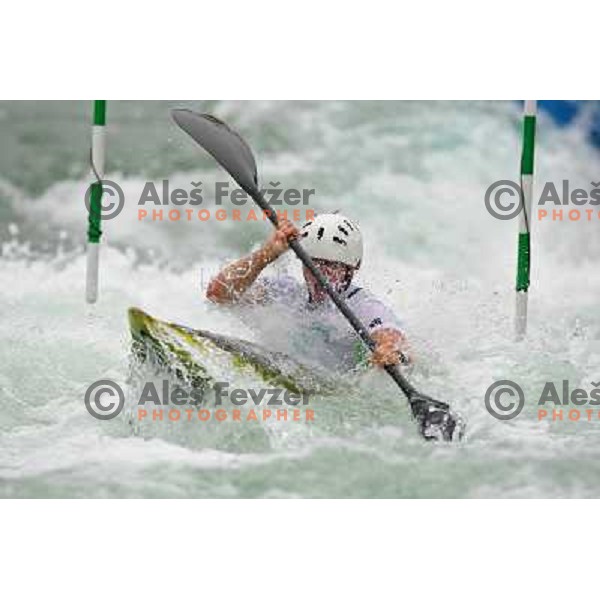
335, 244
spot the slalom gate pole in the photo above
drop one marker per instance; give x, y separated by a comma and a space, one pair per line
94, 233
524, 245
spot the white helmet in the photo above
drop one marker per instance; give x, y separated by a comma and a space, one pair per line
333, 237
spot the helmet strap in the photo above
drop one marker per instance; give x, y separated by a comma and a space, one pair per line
347, 278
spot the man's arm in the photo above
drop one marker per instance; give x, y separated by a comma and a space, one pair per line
230, 285
386, 330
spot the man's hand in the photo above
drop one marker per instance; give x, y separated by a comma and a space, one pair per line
391, 347
279, 242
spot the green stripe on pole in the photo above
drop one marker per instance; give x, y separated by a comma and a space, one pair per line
523, 263
528, 145
99, 112
94, 230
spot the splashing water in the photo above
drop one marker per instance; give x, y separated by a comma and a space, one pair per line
414, 175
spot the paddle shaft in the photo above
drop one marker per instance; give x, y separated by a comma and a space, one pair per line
362, 331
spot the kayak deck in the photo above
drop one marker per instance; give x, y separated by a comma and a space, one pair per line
201, 357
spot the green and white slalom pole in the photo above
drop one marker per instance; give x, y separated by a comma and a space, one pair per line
524, 247
98, 154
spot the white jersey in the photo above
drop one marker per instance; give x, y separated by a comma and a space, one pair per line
319, 333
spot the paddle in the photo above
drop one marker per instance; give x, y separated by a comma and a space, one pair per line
436, 420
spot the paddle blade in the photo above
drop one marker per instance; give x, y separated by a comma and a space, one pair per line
436, 421
226, 146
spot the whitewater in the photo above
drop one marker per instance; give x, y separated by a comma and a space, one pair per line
414, 174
